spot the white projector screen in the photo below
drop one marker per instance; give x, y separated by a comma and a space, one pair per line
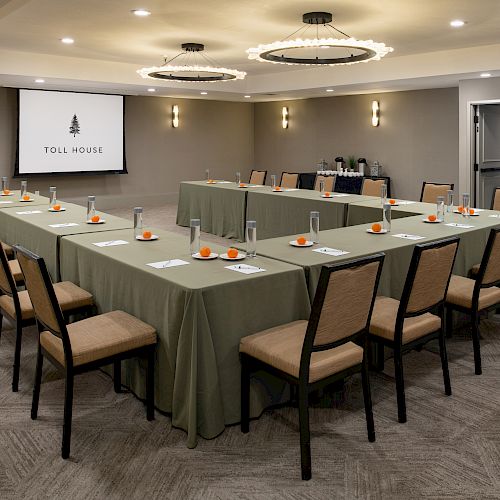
70, 132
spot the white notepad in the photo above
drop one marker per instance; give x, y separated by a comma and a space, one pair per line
409, 236
405, 202
245, 269
330, 251
29, 212
456, 224
167, 263
65, 224
111, 243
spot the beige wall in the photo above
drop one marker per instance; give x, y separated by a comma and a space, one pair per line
417, 138
212, 134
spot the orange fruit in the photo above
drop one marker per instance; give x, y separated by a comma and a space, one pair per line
232, 253
392, 202
432, 218
147, 235
460, 209
6, 191
301, 240
242, 185
95, 218
277, 188
327, 193
56, 207
471, 211
376, 228
205, 251
26, 197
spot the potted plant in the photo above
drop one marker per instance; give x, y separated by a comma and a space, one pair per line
352, 163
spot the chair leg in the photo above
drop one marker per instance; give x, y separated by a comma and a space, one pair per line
17, 356
444, 364
380, 356
368, 403
68, 415
400, 386
117, 376
449, 322
245, 396
37, 384
475, 343
150, 386
305, 437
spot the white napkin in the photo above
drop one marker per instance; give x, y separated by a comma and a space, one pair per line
405, 202
245, 269
340, 195
495, 216
167, 263
409, 236
29, 212
218, 182
456, 224
111, 243
330, 251
66, 224
290, 189
5, 202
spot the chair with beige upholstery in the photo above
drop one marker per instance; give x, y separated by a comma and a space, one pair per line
474, 296
495, 200
84, 345
431, 190
9, 251
16, 306
258, 177
312, 354
372, 187
289, 180
328, 181
419, 316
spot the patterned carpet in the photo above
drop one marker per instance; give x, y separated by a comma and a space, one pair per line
450, 447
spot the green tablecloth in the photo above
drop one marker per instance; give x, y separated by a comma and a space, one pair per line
34, 230
279, 214
13, 201
200, 311
398, 251
221, 207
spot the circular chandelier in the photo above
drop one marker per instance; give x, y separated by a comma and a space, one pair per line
191, 65
354, 51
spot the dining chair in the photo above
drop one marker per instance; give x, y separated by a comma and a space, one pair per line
330, 346
289, 180
82, 346
9, 251
431, 190
258, 177
409, 323
372, 187
495, 200
327, 182
473, 296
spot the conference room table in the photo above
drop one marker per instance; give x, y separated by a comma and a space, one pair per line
14, 200
36, 228
200, 310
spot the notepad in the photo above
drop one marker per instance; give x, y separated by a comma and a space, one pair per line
5, 202
334, 252
111, 243
456, 224
340, 195
495, 216
245, 269
29, 212
409, 236
405, 202
167, 263
66, 224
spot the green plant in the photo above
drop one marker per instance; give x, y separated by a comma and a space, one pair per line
352, 162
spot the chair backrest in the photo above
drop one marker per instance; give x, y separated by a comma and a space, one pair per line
431, 190
327, 182
258, 177
350, 185
495, 202
372, 187
428, 277
289, 180
7, 282
489, 270
342, 305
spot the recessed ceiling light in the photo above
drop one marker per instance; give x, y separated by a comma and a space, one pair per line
248, 96
457, 23
203, 93
39, 80
330, 90
485, 75
67, 40
141, 12
151, 90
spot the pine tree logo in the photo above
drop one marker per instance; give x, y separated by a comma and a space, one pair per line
75, 126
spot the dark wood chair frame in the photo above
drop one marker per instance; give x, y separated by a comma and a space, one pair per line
69, 370
250, 365
397, 344
473, 312
255, 170
290, 173
493, 198
451, 184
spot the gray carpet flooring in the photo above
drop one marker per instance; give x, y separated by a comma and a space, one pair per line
449, 448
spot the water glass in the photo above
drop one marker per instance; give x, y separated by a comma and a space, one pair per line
273, 181
194, 240
52, 196
5, 184
24, 189
440, 208
138, 221
321, 187
383, 194
386, 217
449, 201
90, 207
207, 174
238, 177
251, 238
466, 204
314, 225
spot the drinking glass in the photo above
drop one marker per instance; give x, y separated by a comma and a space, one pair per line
194, 241
321, 187
90, 207
52, 196
314, 225
238, 177
440, 208
251, 238
383, 194
138, 221
273, 181
386, 217
449, 201
207, 174
24, 189
466, 204
5, 184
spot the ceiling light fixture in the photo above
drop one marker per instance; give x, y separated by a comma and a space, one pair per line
67, 40
191, 67
485, 75
39, 80
248, 96
356, 50
141, 12
329, 90
151, 90
203, 93
457, 23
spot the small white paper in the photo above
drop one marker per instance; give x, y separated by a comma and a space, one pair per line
340, 195
290, 189
245, 269
330, 251
477, 210
218, 182
5, 202
405, 202
66, 224
494, 216
111, 243
456, 224
167, 263
29, 212
409, 236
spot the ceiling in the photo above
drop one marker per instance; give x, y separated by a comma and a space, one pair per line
111, 43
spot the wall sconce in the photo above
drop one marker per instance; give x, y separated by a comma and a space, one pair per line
375, 114
284, 117
175, 116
